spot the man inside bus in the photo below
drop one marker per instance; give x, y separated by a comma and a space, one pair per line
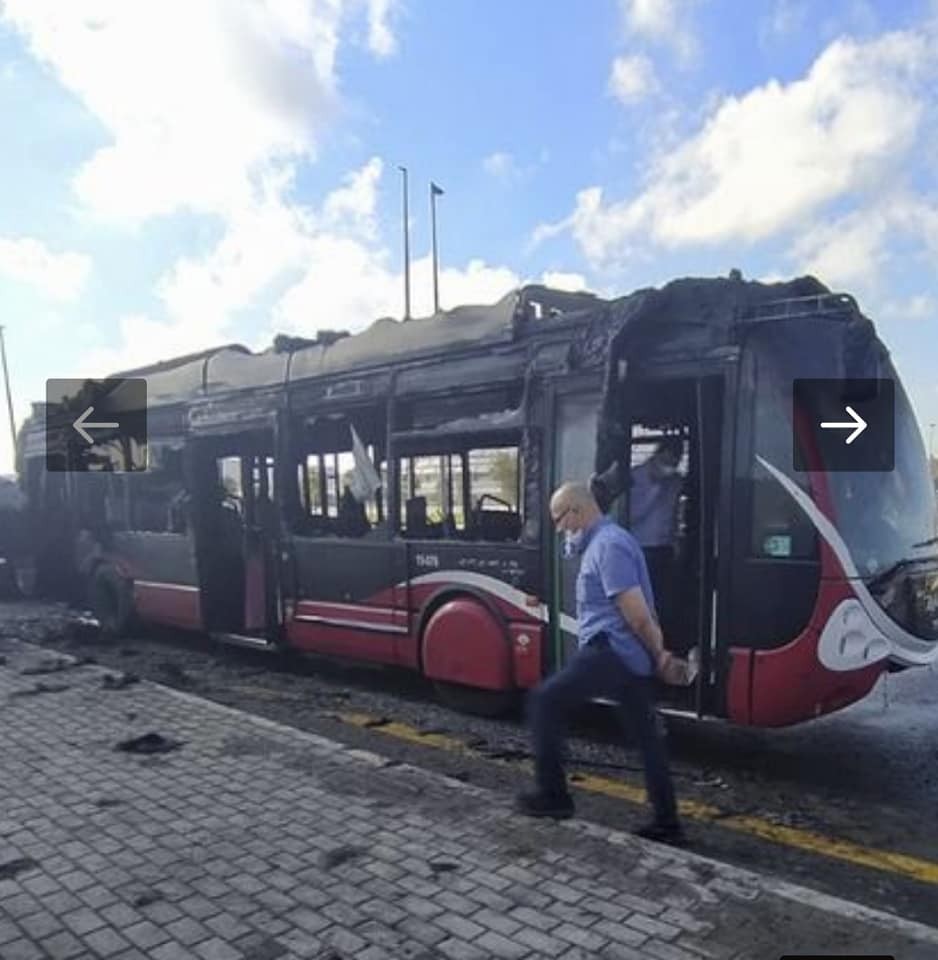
655, 491
621, 649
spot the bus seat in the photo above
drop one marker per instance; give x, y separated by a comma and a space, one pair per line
415, 514
496, 525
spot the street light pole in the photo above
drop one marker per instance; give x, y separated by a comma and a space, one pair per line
6, 381
931, 441
435, 192
406, 248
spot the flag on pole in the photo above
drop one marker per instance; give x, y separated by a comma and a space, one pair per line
435, 190
366, 481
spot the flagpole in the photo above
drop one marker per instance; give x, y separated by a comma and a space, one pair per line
435, 191
6, 380
406, 247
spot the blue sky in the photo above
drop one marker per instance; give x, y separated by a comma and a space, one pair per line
183, 174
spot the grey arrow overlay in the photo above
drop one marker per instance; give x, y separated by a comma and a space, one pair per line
81, 423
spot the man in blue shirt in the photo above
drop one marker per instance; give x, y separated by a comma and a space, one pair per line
621, 649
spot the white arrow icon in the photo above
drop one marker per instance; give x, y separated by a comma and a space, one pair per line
81, 423
857, 425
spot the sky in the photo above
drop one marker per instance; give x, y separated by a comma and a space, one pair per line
188, 173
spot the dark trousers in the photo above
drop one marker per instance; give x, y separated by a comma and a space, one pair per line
598, 671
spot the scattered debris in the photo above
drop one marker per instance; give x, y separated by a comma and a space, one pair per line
340, 855
13, 868
174, 673
129, 652
130, 716
461, 775
38, 688
53, 665
103, 803
148, 743
443, 866
146, 899
377, 722
119, 681
3, 660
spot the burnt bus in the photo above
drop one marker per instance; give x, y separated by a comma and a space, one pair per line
383, 496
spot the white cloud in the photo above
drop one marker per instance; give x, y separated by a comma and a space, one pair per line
381, 40
786, 18
349, 285
57, 276
500, 165
764, 162
914, 309
662, 21
846, 253
560, 280
196, 98
632, 78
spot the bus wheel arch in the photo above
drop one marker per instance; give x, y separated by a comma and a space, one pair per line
111, 597
465, 651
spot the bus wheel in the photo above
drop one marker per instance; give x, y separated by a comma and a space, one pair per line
112, 601
475, 701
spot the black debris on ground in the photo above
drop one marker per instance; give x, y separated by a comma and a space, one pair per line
119, 681
13, 868
148, 743
39, 688
340, 855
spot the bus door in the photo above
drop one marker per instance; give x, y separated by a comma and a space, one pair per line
668, 488
238, 536
575, 418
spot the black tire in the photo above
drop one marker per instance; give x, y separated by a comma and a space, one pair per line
111, 600
475, 701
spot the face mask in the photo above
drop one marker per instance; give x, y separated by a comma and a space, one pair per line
572, 544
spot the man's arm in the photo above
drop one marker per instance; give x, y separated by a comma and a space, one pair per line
632, 606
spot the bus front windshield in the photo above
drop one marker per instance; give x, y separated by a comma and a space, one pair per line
889, 518
885, 518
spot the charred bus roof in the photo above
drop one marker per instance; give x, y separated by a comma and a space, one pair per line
532, 325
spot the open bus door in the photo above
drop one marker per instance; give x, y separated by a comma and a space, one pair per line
684, 413
688, 570
237, 538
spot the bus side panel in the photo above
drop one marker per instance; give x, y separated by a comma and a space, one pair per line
343, 600
774, 688
165, 580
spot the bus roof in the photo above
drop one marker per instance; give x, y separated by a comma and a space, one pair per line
692, 314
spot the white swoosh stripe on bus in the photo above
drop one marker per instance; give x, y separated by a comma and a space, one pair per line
504, 591
907, 648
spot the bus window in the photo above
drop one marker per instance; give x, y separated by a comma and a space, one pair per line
780, 529
495, 491
339, 490
159, 502
432, 496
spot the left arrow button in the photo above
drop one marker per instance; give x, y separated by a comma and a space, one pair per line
82, 425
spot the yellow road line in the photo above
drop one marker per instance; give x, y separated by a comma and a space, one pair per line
925, 871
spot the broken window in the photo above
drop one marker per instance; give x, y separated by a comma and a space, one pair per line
340, 477
466, 494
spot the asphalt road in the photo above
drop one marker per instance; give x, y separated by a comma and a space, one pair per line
867, 775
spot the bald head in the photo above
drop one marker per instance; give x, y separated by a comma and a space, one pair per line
573, 507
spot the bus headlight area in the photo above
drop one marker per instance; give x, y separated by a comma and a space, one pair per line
382, 496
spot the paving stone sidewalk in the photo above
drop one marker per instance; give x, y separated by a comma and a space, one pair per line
254, 841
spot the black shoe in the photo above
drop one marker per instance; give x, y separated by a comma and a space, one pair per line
538, 804
671, 833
